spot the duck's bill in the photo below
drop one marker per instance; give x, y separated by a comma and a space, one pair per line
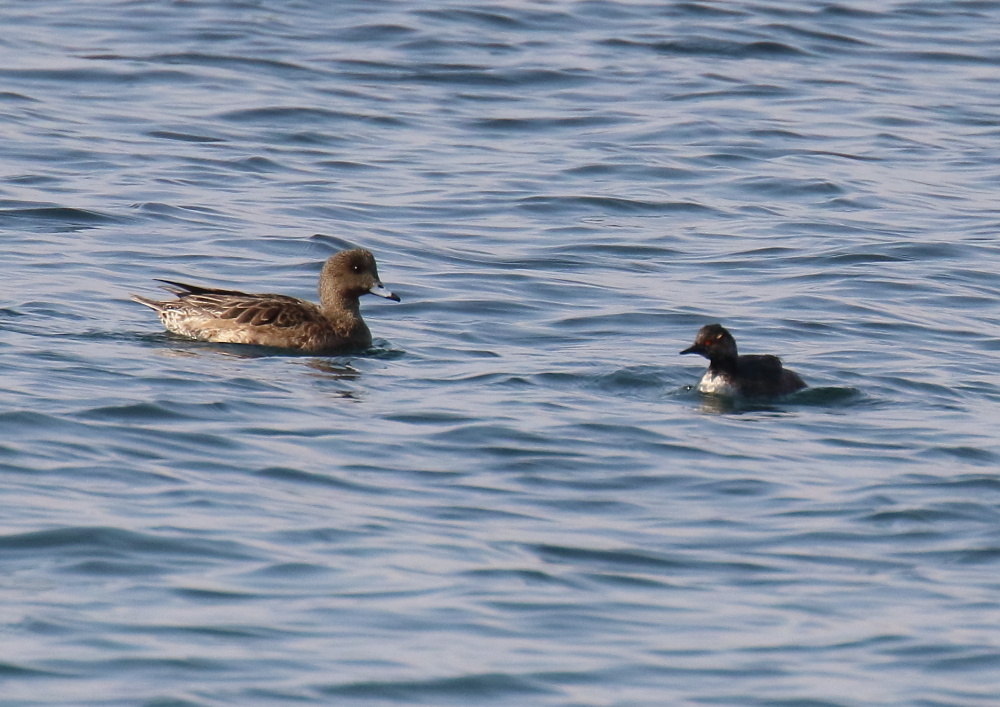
377, 289
692, 349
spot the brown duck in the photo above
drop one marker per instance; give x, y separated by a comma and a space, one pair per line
229, 316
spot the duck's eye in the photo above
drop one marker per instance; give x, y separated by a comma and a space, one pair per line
708, 342
356, 268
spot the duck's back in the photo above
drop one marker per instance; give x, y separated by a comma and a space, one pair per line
763, 374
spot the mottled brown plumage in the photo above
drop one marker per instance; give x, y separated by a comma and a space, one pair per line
230, 316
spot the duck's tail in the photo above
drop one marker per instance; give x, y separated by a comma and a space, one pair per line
151, 303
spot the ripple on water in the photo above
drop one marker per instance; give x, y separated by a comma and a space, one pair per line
516, 496
488, 686
118, 543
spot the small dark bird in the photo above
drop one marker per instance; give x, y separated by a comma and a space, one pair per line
731, 374
230, 316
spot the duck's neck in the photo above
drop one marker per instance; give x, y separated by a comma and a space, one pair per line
333, 304
724, 364
344, 315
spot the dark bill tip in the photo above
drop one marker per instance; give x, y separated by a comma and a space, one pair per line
377, 289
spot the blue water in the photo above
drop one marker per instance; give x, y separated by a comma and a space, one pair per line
515, 498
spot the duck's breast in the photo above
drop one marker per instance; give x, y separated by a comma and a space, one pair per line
717, 384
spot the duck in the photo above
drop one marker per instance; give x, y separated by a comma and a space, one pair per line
280, 321
734, 375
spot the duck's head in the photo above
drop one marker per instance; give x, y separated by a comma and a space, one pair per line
713, 342
350, 274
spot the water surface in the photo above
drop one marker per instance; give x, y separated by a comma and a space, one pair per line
515, 497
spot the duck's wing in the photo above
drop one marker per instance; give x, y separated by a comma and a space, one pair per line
763, 366
765, 375
182, 288
233, 307
759, 374
270, 310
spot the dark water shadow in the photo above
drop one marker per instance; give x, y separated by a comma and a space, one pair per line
179, 345
336, 374
827, 397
